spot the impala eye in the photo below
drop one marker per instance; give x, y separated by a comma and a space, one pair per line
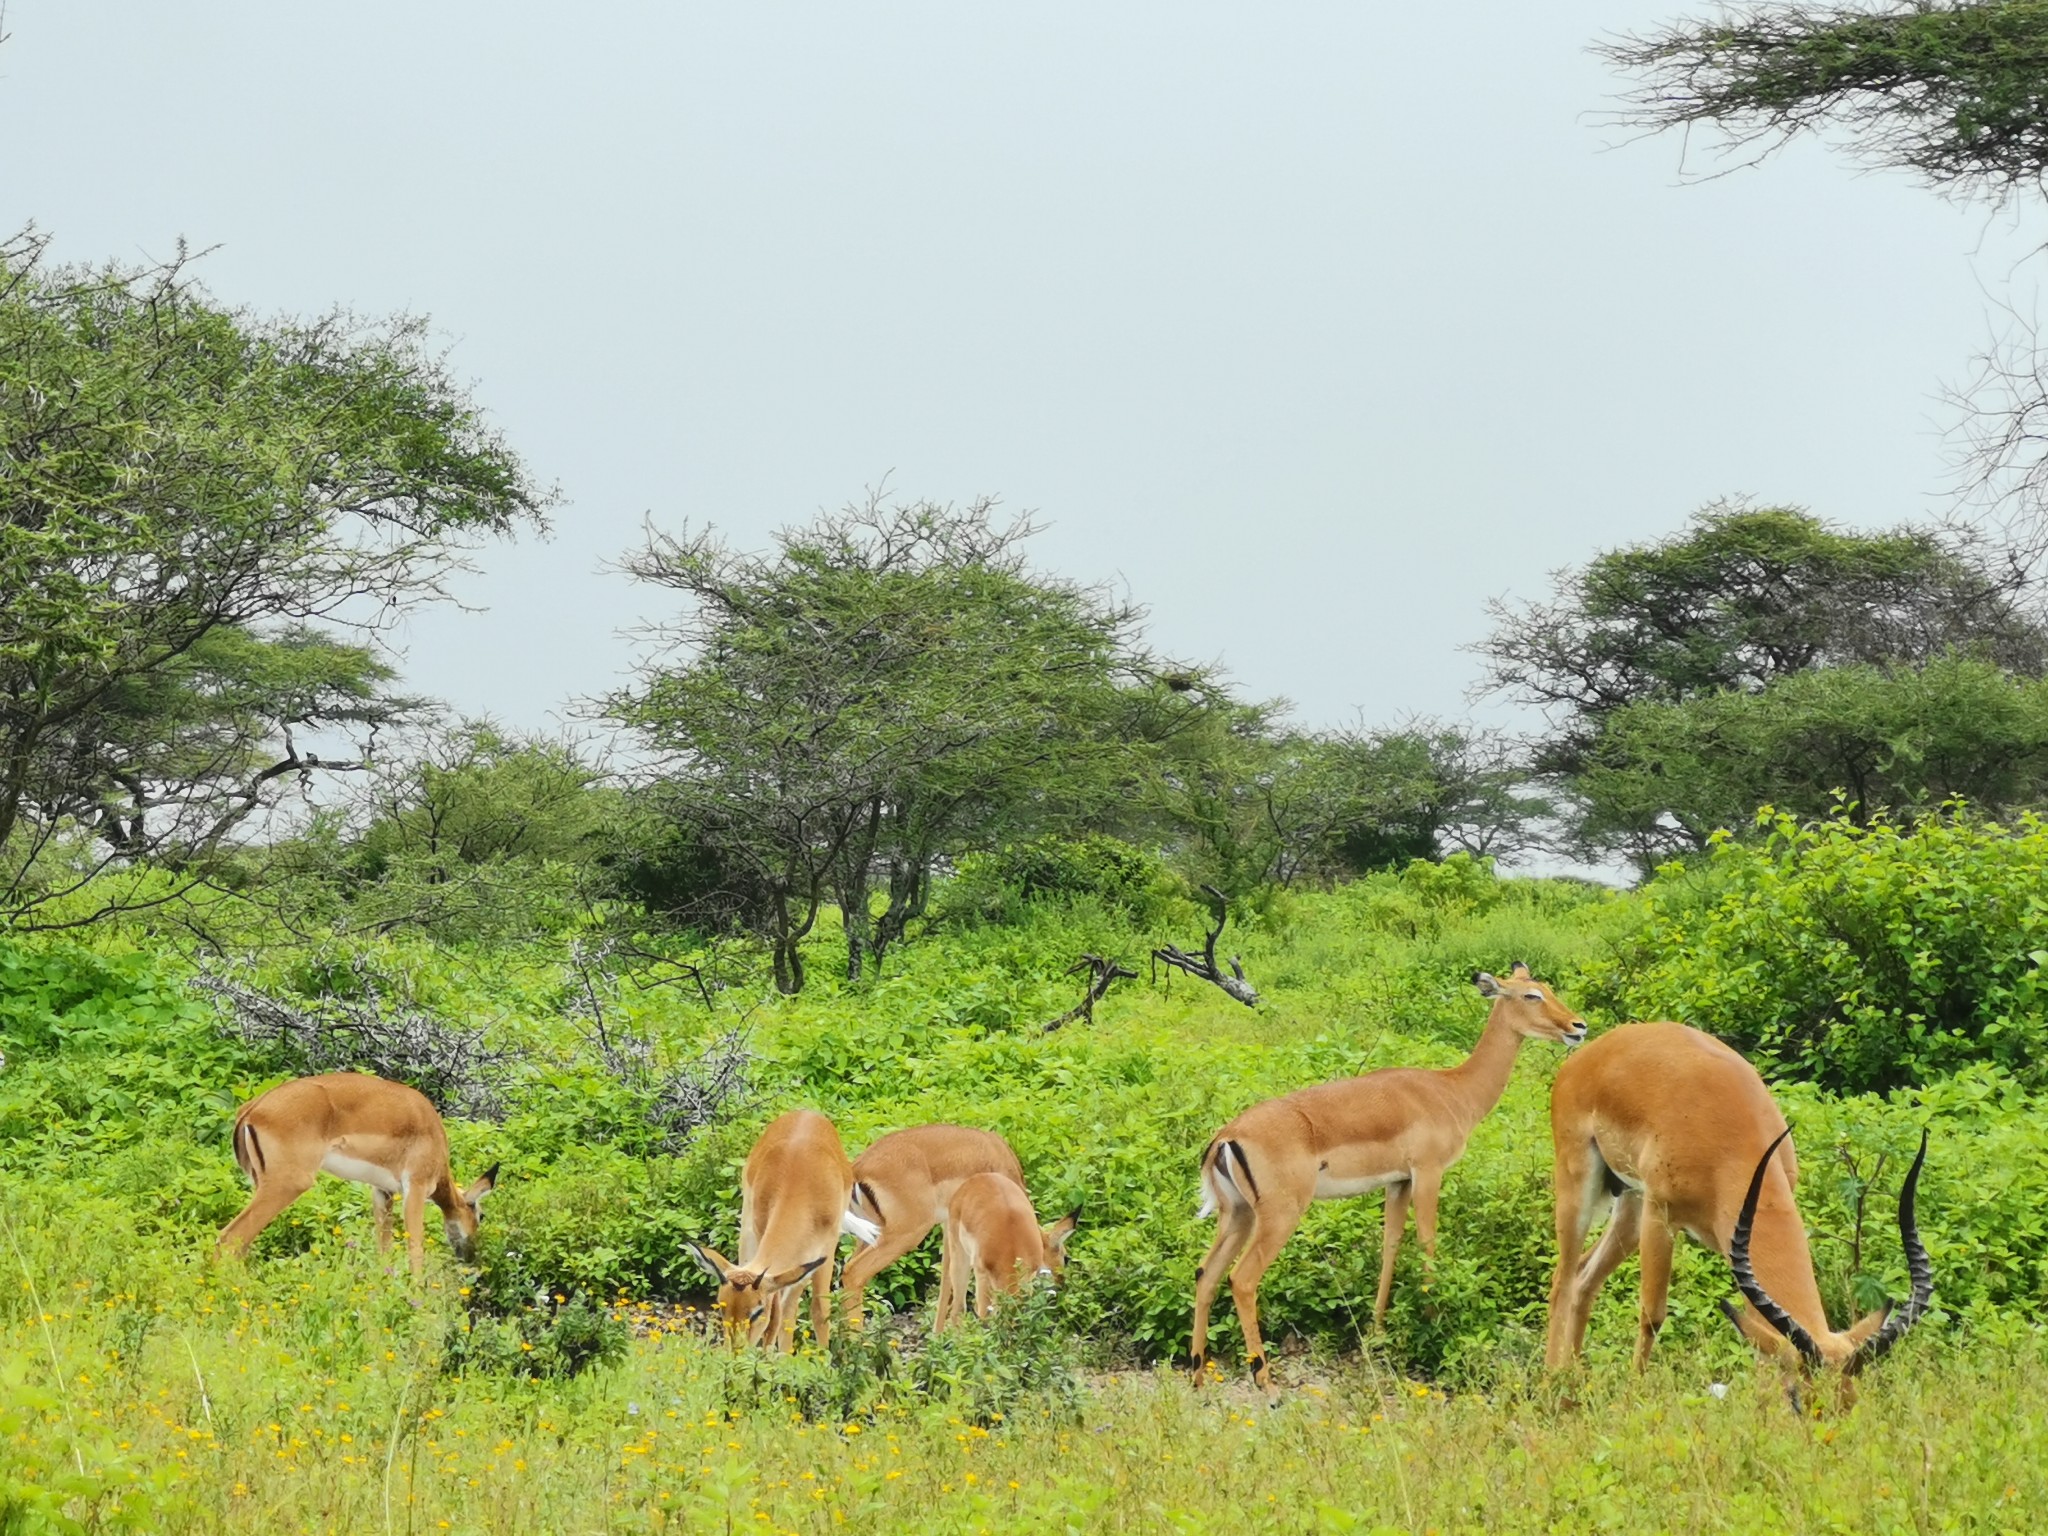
1532, 997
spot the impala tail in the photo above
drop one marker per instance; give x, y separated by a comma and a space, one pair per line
1227, 1179
249, 1151
861, 1227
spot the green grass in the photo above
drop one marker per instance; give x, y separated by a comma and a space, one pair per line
307, 1395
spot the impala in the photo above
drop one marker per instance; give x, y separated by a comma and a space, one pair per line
1397, 1129
794, 1196
357, 1127
1674, 1132
904, 1182
994, 1241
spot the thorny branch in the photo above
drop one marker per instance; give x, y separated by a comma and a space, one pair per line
1103, 974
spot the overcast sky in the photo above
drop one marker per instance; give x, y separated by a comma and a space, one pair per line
1317, 325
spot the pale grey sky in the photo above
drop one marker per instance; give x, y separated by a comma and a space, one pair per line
1317, 324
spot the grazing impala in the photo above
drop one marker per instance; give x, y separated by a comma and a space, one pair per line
1675, 1132
994, 1241
794, 1194
357, 1127
904, 1183
1397, 1129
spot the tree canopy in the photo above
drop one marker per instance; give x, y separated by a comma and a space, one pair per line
1900, 740
204, 518
1956, 93
1740, 601
891, 686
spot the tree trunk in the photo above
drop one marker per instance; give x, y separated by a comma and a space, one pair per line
909, 888
789, 965
853, 914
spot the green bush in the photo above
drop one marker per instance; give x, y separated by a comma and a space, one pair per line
547, 1342
997, 887
1856, 957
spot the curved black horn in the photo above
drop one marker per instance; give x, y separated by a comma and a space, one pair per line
1745, 1277
1918, 1265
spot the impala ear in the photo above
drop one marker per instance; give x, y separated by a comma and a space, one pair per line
714, 1264
1488, 986
789, 1277
1519, 970
483, 1186
1057, 1234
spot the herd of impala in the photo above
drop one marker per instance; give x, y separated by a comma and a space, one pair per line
1657, 1127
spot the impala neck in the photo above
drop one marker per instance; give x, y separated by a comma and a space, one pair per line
1482, 1077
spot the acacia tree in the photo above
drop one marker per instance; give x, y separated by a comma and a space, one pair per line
1249, 802
1952, 93
891, 686
1882, 739
1741, 598
188, 494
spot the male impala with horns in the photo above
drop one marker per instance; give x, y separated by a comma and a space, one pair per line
1672, 1131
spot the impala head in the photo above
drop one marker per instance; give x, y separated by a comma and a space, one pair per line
746, 1297
1870, 1339
459, 1220
1530, 1008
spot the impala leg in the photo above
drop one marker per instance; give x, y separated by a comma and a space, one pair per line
956, 1269
1390, 1245
1656, 1248
270, 1197
1234, 1227
1576, 1180
1278, 1215
821, 1316
949, 1266
415, 1208
787, 1301
872, 1260
380, 1208
1624, 1231
1426, 1185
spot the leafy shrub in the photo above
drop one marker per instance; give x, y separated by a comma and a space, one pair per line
1021, 1356
552, 1343
846, 1382
996, 887
1859, 957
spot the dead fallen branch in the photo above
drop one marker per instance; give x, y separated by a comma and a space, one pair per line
1206, 968
1103, 973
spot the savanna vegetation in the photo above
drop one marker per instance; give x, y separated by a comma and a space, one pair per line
910, 830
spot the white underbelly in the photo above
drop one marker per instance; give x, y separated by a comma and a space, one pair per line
1330, 1187
342, 1166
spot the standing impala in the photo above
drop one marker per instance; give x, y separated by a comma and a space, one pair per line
994, 1241
357, 1127
1674, 1132
1397, 1129
794, 1195
904, 1182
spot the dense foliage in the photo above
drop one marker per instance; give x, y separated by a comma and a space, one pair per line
1864, 956
186, 493
1764, 655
